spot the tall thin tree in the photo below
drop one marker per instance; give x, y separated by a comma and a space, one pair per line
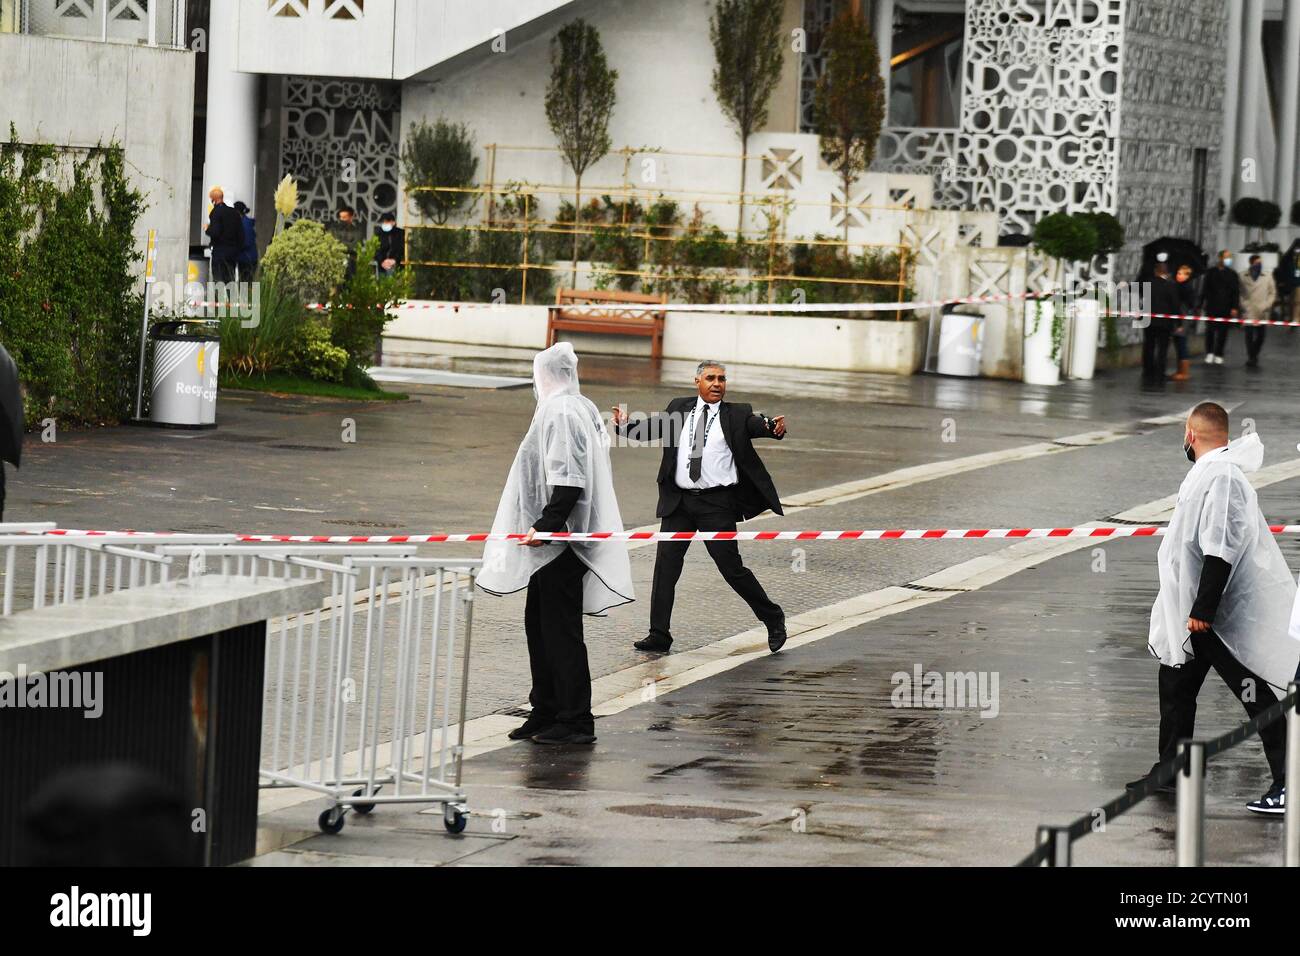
849, 107
746, 37
579, 103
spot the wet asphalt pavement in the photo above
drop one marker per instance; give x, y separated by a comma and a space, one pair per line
799, 757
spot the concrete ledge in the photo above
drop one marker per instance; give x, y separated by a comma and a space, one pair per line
137, 619
788, 341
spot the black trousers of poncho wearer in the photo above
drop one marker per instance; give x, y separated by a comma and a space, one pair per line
556, 652
1179, 687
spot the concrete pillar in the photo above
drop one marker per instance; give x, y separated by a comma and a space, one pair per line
1290, 109
884, 30
230, 160
1229, 155
1252, 71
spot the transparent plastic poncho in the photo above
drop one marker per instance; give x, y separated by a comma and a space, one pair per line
566, 444
1218, 515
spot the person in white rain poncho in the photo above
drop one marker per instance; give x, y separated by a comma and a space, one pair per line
561, 480
1225, 595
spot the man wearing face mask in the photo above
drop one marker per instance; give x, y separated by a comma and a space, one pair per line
561, 480
1225, 595
392, 245
1258, 296
1220, 298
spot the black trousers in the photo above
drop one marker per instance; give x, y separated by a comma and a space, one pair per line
1255, 340
1155, 352
556, 652
1179, 687
223, 267
714, 510
1216, 337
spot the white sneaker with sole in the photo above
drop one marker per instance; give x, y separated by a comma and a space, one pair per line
1273, 802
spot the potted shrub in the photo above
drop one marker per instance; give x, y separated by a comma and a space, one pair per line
1063, 238
1261, 215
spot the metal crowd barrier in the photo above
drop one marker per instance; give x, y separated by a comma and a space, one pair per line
1054, 843
365, 696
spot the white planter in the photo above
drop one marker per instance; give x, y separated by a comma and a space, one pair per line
1038, 367
1085, 330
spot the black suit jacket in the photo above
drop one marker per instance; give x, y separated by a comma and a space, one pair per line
740, 426
226, 230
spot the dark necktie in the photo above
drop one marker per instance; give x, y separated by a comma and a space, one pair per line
697, 446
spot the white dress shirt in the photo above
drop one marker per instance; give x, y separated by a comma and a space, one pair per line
718, 467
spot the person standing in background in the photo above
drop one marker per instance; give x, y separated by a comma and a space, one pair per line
392, 245
226, 232
1258, 296
347, 230
1287, 279
1187, 307
247, 261
1221, 299
1155, 337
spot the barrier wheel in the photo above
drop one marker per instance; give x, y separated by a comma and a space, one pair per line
454, 820
362, 808
331, 820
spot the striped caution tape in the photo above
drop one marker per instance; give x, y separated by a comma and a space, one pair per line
1200, 318
928, 534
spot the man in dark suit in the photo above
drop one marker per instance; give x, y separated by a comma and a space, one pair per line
710, 478
226, 232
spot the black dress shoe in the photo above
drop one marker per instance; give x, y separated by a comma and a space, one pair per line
530, 727
776, 635
564, 734
653, 642
1141, 782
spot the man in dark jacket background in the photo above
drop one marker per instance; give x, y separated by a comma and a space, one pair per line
392, 245
247, 261
226, 232
1220, 298
710, 477
1165, 300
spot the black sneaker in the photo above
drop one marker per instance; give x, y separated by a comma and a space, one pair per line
531, 727
655, 643
564, 734
1272, 802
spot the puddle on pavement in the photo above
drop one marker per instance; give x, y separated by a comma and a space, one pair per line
661, 811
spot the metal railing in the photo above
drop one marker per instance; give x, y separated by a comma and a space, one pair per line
1188, 766
365, 696
151, 22
628, 249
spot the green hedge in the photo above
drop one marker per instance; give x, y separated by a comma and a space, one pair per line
69, 309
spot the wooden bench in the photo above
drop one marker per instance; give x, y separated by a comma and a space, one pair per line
610, 321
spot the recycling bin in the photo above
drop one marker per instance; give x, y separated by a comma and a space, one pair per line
185, 358
961, 344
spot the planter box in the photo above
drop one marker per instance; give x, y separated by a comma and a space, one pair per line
789, 341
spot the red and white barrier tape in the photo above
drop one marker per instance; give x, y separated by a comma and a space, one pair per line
1200, 318
931, 534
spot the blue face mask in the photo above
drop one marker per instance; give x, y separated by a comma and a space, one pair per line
1255, 270
387, 227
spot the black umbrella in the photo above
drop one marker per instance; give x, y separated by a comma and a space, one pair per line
1181, 252
11, 410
